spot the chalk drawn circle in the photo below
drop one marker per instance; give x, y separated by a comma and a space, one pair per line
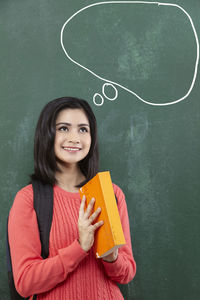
159, 4
100, 96
103, 91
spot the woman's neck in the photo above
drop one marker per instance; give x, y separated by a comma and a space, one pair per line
69, 177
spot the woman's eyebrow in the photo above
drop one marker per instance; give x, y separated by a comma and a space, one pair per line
69, 124
63, 123
80, 125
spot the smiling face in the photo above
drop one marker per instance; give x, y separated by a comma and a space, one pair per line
73, 138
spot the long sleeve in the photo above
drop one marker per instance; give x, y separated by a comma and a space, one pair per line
123, 269
32, 274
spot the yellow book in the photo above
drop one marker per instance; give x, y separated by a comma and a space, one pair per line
110, 235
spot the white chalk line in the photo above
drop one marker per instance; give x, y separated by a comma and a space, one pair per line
119, 85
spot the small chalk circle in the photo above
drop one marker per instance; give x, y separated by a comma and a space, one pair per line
101, 98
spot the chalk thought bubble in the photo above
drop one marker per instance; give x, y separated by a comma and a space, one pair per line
108, 84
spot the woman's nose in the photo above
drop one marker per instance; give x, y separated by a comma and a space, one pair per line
73, 137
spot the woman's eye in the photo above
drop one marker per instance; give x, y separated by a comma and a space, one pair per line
83, 129
63, 128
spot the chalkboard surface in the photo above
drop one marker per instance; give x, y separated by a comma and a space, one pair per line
139, 54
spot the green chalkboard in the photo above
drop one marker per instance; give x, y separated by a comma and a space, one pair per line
145, 56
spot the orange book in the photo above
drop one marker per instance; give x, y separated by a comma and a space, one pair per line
110, 235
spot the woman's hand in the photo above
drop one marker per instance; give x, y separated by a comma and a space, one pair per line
85, 226
112, 256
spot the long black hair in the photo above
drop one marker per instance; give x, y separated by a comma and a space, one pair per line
45, 164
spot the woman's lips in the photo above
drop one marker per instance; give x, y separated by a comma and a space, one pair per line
72, 149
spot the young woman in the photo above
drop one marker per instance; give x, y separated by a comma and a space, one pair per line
66, 156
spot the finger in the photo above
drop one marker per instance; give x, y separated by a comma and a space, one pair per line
81, 209
97, 225
89, 208
94, 215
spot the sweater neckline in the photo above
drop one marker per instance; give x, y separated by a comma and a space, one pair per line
66, 193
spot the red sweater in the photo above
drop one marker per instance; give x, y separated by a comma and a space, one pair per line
69, 273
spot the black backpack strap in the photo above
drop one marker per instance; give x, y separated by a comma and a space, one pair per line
43, 205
